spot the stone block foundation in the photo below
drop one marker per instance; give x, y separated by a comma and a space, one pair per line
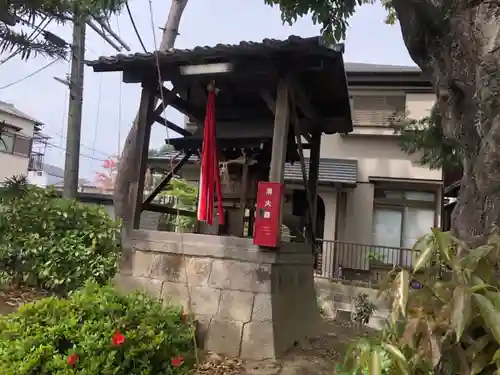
248, 303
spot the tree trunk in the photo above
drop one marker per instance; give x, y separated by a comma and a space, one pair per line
457, 43
127, 166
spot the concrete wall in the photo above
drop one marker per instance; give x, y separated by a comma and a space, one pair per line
336, 299
11, 165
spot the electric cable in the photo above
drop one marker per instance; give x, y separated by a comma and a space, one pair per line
82, 155
29, 75
160, 80
119, 103
135, 27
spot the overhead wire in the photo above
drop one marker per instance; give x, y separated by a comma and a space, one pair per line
62, 137
29, 75
119, 101
160, 80
135, 26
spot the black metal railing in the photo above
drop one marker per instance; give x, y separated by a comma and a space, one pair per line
338, 259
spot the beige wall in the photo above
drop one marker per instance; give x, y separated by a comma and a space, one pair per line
11, 165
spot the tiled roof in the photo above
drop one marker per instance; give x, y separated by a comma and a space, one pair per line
243, 48
10, 109
330, 170
379, 68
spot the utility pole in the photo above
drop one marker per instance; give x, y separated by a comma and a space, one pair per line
72, 162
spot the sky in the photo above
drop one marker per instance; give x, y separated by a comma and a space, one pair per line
110, 105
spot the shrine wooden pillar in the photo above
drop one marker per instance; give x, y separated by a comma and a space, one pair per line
314, 156
139, 161
280, 136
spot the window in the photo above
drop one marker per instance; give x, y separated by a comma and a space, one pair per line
399, 219
7, 142
15, 144
370, 110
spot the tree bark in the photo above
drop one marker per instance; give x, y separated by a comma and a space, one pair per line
457, 43
127, 166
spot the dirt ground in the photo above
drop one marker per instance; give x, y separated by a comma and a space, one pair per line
316, 357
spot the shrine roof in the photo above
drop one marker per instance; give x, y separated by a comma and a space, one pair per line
201, 54
247, 75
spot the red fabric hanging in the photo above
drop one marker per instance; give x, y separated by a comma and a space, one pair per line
209, 171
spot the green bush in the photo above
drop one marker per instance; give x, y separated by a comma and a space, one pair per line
53, 243
96, 331
448, 326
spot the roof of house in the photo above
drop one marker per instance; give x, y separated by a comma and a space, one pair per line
10, 109
52, 170
353, 67
331, 171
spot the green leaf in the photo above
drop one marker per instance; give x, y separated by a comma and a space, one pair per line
375, 364
402, 289
490, 315
461, 310
424, 257
398, 356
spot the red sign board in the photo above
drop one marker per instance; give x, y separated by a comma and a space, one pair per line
267, 231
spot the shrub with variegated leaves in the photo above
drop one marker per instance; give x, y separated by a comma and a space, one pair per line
451, 325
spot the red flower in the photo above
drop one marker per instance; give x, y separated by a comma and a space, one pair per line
177, 361
72, 359
117, 339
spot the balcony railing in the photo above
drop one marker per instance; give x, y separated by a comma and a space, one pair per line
337, 259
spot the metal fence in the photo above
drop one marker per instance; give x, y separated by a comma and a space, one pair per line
338, 259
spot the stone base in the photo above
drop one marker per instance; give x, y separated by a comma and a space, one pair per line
248, 303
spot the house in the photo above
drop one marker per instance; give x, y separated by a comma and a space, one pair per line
48, 175
18, 130
374, 200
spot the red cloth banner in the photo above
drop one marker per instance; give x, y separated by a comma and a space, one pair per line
209, 171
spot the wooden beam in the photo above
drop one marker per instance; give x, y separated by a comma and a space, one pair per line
314, 157
165, 180
243, 195
280, 133
141, 148
161, 208
169, 124
302, 101
298, 140
182, 105
271, 103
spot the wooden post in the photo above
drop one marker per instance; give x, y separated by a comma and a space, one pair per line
141, 148
280, 133
243, 195
314, 177
280, 137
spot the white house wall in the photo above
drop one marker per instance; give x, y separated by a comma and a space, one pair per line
11, 165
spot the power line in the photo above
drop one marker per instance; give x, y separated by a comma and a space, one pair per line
94, 150
135, 27
82, 155
29, 75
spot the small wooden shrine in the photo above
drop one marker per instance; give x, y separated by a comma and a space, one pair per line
275, 99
